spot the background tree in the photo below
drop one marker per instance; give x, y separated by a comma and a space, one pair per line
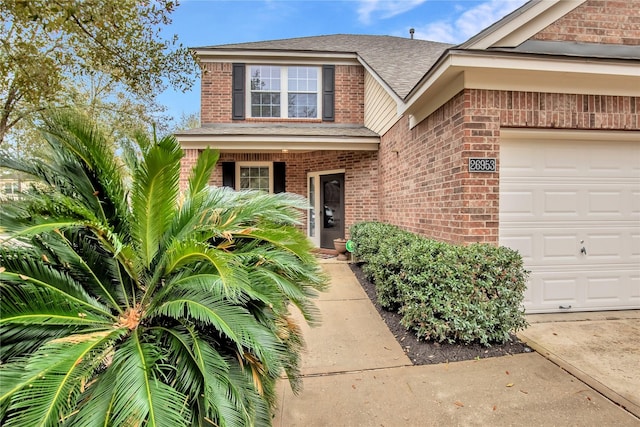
46, 46
126, 303
187, 121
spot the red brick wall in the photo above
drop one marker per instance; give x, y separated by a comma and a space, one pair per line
349, 90
361, 175
421, 171
215, 95
598, 21
424, 183
186, 165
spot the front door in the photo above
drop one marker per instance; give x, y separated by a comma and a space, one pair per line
331, 209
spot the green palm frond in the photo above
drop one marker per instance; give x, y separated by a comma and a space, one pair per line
19, 341
191, 253
201, 173
22, 305
46, 391
70, 134
154, 196
86, 259
34, 272
232, 322
283, 238
239, 291
95, 408
141, 397
259, 207
201, 372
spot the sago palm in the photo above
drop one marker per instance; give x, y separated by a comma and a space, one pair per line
128, 303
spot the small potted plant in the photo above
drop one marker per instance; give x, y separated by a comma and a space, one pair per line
341, 247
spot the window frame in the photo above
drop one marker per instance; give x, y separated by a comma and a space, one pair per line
240, 165
284, 91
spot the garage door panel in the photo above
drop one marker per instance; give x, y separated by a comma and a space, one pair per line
560, 196
606, 203
517, 204
521, 242
635, 248
607, 247
634, 291
559, 203
558, 290
634, 204
558, 245
605, 289
599, 202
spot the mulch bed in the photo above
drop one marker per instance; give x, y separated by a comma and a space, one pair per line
427, 352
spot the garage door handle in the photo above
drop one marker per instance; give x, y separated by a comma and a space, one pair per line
583, 251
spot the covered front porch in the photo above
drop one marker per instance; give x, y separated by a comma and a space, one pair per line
334, 167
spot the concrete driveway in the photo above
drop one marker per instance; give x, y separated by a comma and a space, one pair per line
356, 374
601, 349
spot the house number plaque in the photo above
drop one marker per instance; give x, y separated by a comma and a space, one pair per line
477, 164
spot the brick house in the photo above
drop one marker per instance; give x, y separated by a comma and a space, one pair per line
527, 135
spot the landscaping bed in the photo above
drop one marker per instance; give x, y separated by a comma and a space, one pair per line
428, 352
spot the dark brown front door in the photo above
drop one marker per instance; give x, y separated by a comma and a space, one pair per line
331, 209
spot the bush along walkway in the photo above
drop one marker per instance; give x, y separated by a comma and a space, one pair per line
445, 293
424, 352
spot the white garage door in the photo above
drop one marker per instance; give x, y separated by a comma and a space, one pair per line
571, 207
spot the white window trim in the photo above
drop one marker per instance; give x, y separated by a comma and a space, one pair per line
284, 92
240, 165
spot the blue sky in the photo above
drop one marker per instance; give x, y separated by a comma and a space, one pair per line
213, 22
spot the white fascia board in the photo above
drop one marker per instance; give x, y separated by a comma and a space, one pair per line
480, 70
530, 21
242, 143
276, 57
569, 134
443, 67
531, 62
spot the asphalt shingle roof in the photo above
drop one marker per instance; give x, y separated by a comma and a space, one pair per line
400, 62
289, 129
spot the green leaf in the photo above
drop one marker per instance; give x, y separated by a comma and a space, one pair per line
201, 173
140, 394
50, 383
154, 196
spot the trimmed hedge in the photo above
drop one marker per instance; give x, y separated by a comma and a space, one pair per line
444, 292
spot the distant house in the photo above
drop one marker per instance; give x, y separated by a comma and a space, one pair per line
526, 135
11, 185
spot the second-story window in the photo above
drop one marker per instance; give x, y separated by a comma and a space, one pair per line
284, 92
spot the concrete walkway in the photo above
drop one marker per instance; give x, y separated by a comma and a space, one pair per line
356, 374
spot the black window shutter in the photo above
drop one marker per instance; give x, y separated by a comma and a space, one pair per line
279, 177
328, 92
229, 174
238, 82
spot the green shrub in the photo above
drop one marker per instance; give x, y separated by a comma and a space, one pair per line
447, 292
377, 245
368, 236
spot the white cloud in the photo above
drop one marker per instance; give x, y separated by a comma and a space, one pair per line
469, 23
384, 8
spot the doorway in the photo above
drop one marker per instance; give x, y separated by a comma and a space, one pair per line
326, 215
